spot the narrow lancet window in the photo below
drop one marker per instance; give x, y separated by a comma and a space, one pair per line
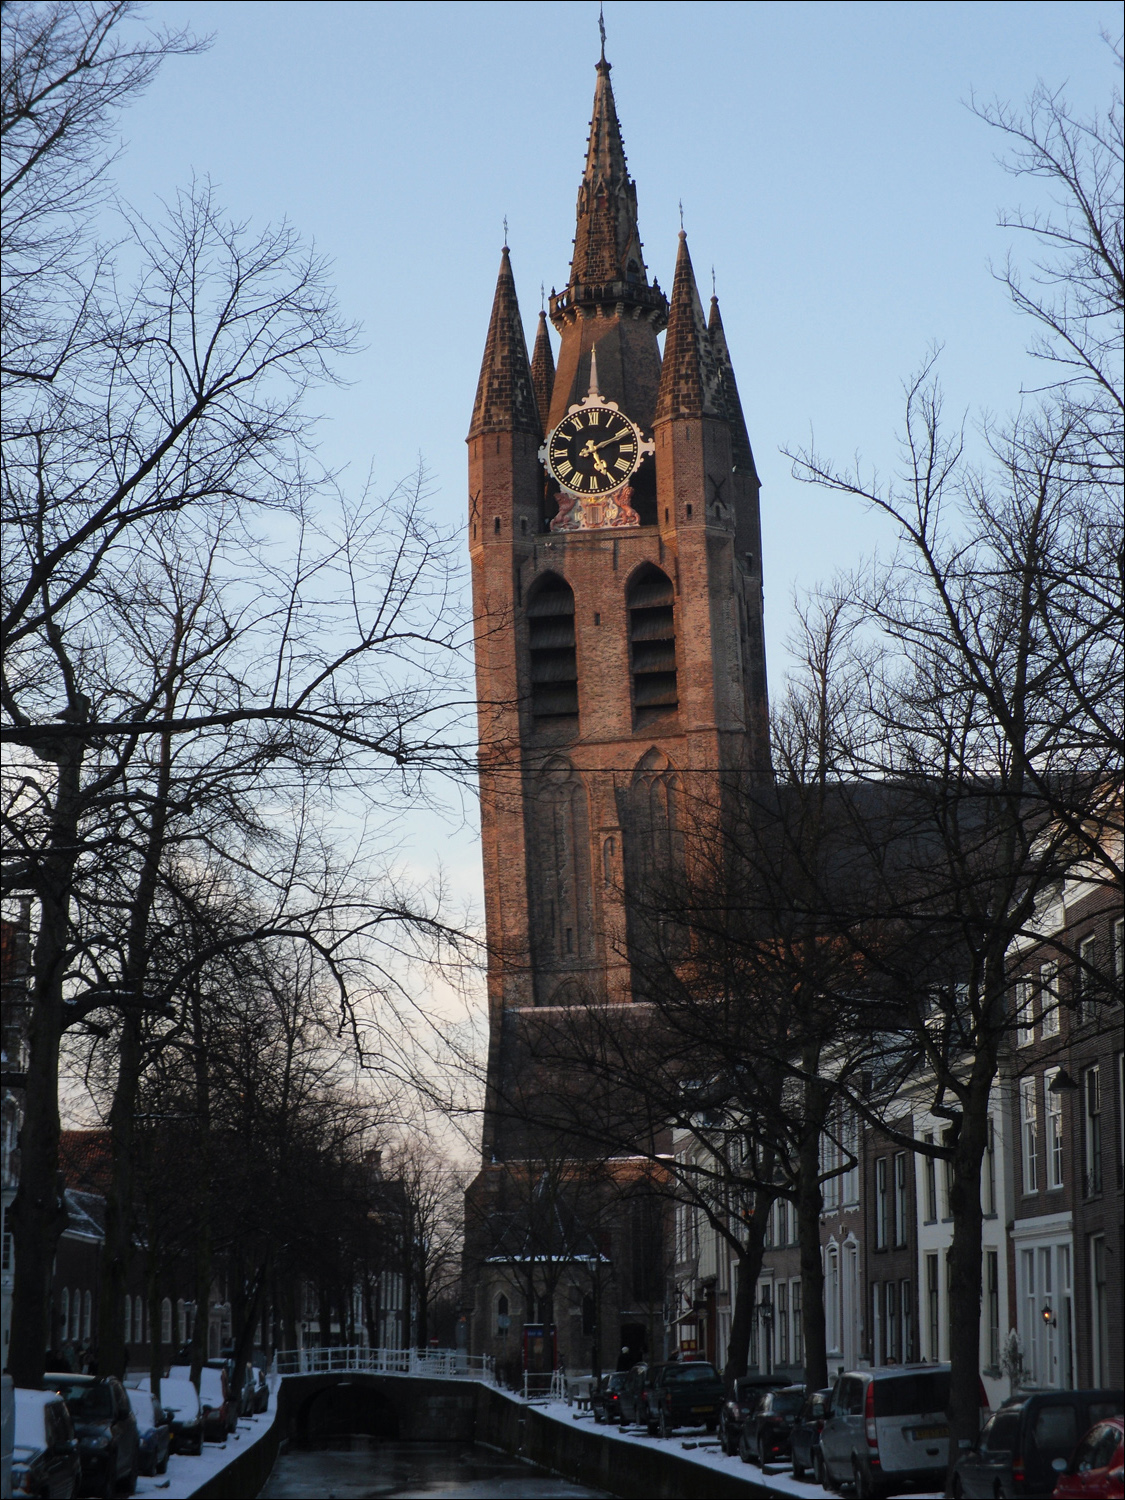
652, 642
554, 663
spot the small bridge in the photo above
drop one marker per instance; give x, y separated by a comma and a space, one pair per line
333, 1392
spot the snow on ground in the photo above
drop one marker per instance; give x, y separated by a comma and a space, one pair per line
709, 1454
187, 1472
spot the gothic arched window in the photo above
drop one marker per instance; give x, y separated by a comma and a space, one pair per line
652, 642
554, 663
559, 867
651, 818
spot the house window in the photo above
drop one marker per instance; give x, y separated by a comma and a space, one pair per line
992, 1294
832, 1300
906, 1310
64, 1315
933, 1307
1085, 977
76, 1315
550, 636
893, 1352
882, 1204
181, 1320
930, 1176
849, 1141
902, 1202
166, 1321
128, 1321
795, 1322
652, 642
87, 1317
782, 1320
138, 1321
1025, 1013
877, 1354
1029, 1133
1049, 999
1099, 1312
1092, 1110
1119, 951
989, 1185
1054, 1132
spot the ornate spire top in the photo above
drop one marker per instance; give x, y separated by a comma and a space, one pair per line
742, 456
505, 396
608, 268
543, 370
690, 384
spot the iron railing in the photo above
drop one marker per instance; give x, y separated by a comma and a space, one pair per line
357, 1360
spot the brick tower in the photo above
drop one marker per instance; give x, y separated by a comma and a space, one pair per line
620, 654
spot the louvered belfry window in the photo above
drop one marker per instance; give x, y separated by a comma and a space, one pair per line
652, 641
554, 664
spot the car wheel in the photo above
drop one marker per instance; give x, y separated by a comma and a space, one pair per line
763, 1455
798, 1468
958, 1489
650, 1425
821, 1473
131, 1477
663, 1427
865, 1486
162, 1466
109, 1484
744, 1448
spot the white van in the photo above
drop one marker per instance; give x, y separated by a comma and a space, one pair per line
887, 1429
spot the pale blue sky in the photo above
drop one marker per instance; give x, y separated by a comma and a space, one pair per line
828, 168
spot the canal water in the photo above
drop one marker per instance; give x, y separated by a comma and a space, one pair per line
349, 1468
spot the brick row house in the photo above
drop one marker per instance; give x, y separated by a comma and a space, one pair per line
1051, 1194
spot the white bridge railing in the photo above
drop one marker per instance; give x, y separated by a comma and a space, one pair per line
355, 1359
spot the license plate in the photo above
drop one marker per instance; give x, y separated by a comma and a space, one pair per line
923, 1434
696, 1409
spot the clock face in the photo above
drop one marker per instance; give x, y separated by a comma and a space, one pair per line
593, 451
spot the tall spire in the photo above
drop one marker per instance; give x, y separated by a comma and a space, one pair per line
505, 395
742, 456
689, 377
543, 370
608, 265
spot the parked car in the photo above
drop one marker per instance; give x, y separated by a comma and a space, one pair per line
766, 1431
218, 1411
1097, 1465
105, 1427
1025, 1436
887, 1429
153, 1432
741, 1400
261, 1389
179, 1400
605, 1402
44, 1449
804, 1440
683, 1394
633, 1399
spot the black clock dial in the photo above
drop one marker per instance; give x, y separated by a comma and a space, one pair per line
593, 451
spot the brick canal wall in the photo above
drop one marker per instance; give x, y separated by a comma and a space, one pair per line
416, 1409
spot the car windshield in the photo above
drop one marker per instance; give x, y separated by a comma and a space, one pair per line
788, 1403
1002, 1433
912, 1395
178, 1397
681, 1374
89, 1403
141, 1402
1055, 1430
29, 1425
616, 1382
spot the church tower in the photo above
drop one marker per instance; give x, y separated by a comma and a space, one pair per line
617, 586
620, 652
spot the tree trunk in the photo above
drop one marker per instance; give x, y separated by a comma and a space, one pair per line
155, 1323
38, 1215
810, 1201
742, 1318
117, 1250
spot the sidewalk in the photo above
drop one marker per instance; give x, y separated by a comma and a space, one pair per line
187, 1474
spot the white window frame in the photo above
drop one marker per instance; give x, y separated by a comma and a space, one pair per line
1054, 1144
1049, 1020
902, 1200
1025, 1013
882, 1205
1092, 1108
1029, 1133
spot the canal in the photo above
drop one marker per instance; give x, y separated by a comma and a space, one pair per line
370, 1467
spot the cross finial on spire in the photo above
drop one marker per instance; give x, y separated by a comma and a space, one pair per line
601, 27
542, 297
714, 288
681, 213
505, 231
